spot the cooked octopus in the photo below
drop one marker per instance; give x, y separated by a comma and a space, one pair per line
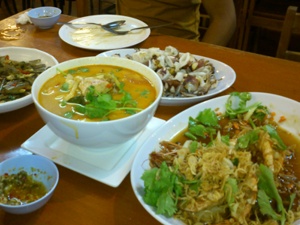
182, 74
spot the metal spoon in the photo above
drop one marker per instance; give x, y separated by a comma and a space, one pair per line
111, 25
122, 32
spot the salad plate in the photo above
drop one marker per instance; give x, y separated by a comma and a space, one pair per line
223, 72
93, 37
24, 54
109, 168
281, 106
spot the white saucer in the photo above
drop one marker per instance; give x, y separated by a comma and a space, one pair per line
107, 167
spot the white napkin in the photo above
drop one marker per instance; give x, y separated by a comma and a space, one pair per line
23, 19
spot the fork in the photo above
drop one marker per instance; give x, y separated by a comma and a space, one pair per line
122, 32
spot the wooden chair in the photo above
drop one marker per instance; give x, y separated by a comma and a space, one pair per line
90, 7
15, 6
291, 26
261, 19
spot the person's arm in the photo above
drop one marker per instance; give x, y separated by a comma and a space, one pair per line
222, 21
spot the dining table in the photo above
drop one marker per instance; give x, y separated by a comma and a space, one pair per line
78, 199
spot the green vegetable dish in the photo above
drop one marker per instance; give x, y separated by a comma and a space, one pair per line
16, 78
236, 167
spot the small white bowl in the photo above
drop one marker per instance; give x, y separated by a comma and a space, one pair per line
104, 135
44, 17
44, 170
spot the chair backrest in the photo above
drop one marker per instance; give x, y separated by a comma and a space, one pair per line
291, 26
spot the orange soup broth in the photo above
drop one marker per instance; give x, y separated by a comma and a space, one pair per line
139, 87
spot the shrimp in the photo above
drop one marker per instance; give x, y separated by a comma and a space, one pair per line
266, 149
272, 159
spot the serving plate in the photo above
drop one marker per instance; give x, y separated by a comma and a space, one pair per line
24, 54
280, 105
223, 72
95, 38
109, 168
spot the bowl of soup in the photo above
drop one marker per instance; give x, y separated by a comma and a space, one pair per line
27, 182
97, 102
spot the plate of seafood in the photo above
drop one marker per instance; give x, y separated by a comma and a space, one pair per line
19, 67
228, 160
93, 37
187, 78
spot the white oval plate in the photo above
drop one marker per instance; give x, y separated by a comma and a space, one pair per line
24, 54
222, 71
280, 105
104, 40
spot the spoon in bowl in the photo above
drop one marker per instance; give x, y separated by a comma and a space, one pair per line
122, 32
111, 25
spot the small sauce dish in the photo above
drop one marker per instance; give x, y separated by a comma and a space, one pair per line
35, 170
44, 17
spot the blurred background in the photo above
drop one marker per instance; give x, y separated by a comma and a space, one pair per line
258, 21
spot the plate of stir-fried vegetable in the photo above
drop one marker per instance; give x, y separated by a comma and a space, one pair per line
229, 160
18, 69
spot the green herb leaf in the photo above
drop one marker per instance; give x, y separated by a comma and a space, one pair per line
260, 113
237, 104
65, 87
235, 161
198, 130
265, 206
69, 114
162, 189
267, 184
247, 139
144, 93
225, 139
292, 199
274, 135
230, 189
100, 105
77, 100
193, 146
208, 117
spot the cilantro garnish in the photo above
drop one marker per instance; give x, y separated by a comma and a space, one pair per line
65, 87
274, 135
203, 125
237, 104
100, 105
247, 139
162, 188
230, 189
267, 191
144, 93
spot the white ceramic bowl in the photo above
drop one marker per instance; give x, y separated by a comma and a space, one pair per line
24, 54
105, 134
45, 171
280, 105
44, 17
